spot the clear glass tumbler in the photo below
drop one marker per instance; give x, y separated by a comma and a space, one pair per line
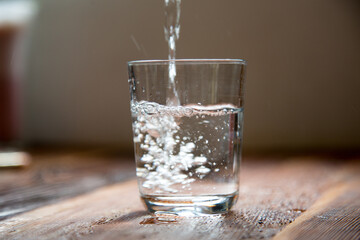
187, 133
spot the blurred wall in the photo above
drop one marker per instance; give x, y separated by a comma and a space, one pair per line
303, 77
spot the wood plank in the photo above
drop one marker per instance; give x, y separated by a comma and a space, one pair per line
336, 215
56, 176
272, 195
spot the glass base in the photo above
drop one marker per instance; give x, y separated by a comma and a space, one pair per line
190, 205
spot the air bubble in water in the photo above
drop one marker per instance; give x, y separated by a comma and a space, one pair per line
168, 157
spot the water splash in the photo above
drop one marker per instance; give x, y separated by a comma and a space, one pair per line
172, 33
155, 109
168, 161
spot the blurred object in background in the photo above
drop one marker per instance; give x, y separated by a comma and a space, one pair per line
15, 16
14, 159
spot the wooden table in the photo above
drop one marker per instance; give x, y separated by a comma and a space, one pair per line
94, 195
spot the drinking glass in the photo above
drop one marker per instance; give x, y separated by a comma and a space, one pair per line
187, 133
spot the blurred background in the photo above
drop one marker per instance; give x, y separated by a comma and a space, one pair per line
302, 83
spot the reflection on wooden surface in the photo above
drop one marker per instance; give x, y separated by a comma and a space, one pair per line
94, 196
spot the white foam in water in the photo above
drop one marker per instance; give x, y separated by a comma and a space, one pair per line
168, 157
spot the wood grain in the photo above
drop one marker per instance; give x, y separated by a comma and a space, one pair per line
55, 176
336, 215
273, 194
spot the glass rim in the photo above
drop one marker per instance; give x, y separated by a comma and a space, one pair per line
188, 61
